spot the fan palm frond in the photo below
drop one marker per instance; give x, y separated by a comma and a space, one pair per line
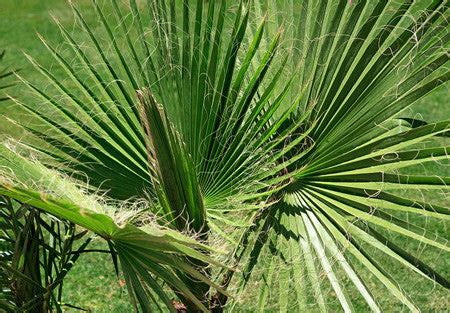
273, 124
146, 253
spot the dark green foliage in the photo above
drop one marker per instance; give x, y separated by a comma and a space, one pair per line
37, 252
4, 74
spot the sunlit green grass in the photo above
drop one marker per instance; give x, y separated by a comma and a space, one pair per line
92, 283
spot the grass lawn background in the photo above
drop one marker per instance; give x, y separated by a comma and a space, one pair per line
92, 283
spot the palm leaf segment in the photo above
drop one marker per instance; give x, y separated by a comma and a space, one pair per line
146, 253
287, 122
4, 73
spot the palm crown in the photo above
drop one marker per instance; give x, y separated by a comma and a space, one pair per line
271, 125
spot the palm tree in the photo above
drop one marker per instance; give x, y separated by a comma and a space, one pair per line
272, 126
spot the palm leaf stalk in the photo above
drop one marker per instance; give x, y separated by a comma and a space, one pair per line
271, 124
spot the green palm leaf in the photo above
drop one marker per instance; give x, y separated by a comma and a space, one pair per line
359, 157
4, 73
271, 124
146, 253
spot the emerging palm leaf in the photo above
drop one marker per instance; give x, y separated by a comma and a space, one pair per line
270, 124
